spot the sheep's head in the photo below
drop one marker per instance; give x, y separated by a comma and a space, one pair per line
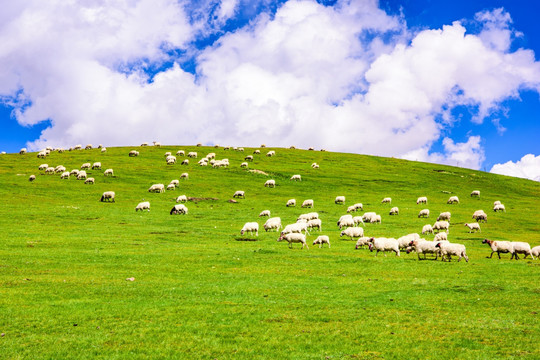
342, 233
486, 241
438, 245
370, 247
412, 243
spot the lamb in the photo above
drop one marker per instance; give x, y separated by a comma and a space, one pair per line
239, 194
65, 175
394, 211
90, 180
423, 213
421, 200
184, 176
422, 246
270, 183
473, 226
499, 207
133, 153
43, 166
353, 232
32, 178
499, 247
384, 244
444, 216
264, 213
315, 223
185, 162
86, 166
405, 240
96, 166
251, 227
340, 200
180, 153
179, 209
272, 223
82, 175
447, 249
535, 251
475, 193
441, 225
181, 198
291, 203
296, 177
386, 200
480, 215
442, 236
521, 248
109, 172
271, 153
294, 238
159, 188
364, 240
427, 229
453, 200
145, 205
322, 239
108, 196
307, 203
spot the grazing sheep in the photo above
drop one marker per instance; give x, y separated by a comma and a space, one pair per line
421, 200
422, 246
133, 153
263, 145
74, 172
86, 166
294, 238
145, 205
394, 211
368, 216
453, 200
376, 219
351, 209
315, 166
272, 223
386, 200
78, 147
109, 172
179, 209
59, 169
81, 175
90, 181
175, 182
499, 247
185, 162
358, 206
480, 215
296, 177
32, 178
405, 240
192, 154
473, 226
307, 203
251, 227
441, 225
168, 153
384, 244
444, 216
499, 207
291, 203
475, 193
184, 176
244, 165
180, 153
88, 147
103, 149
352, 232
423, 213
42, 154
157, 143
498, 202
171, 187
442, 236
22, 151
427, 229
315, 223
257, 152
346, 221
264, 213
322, 239
270, 183
49, 170
535, 251
43, 166
308, 216
271, 153
108, 196
157, 188
364, 240
311, 149
144, 144
521, 248
340, 200
96, 166
171, 160
295, 228
181, 198
449, 249
249, 158
358, 220
65, 175
239, 194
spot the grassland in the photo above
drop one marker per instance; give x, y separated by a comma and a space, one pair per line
202, 292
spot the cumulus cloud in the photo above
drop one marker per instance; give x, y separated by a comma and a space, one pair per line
527, 167
346, 77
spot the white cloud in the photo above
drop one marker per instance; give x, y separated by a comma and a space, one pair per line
527, 167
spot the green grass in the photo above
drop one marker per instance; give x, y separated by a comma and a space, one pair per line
201, 292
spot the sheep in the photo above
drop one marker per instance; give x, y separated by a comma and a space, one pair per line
421, 200
521, 248
315, 223
315, 166
175, 182
473, 226
171, 160
103, 149
171, 187
294, 238
310, 216
133, 153
535, 251
82, 175
22, 151
88, 147
108, 172
179, 209
404, 241
244, 165
59, 169
441, 225
364, 240
270, 183
181, 198
384, 244
386, 200
77, 147
251, 227
185, 162
340, 200
65, 175
498, 202
263, 145
351, 209
108, 196
180, 153
448, 249
307, 203
376, 219
184, 176
86, 166
144, 144
427, 229
499, 207
295, 228
296, 177
90, 180
475, 193
192, 154
423, 213
74, 172
239, 194
43, 166
499, 247
352, 232
346, 222
272, 223
203, 162
394, 211
264, 213
49, 170
96, 166
257, 152
322, 239
159, 188
145, 205
32, 178
157, 143
358, 206
311, 149
444, 216
168, 153
453, 200
421, 246
42, 154
249, 158
271, 153
442, 236
291, 203
480, 215
367, 216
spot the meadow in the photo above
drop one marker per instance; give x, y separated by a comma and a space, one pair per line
202, 290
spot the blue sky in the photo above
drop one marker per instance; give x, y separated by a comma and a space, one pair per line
447, 82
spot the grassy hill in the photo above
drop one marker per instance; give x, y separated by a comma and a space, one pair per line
200, 291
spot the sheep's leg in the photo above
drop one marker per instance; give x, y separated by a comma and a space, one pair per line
498, 253
492, 254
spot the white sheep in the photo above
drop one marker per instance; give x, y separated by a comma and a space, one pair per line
82, 175
109, 172
270, 183
257, 152
315, 166
108, 196
271, 153
480, 215
368, 216
192, 154
386, 200
49, 170
475, 193
159, 188
42, 154
96, 166
168, 153
427, 229
315, 223
184, 176
453, 200
86, 166
90, 180
422, 246
244, 165
179, 209
103, 149
346, 221
352, 232
340, 199
322, 239
405, 240
74, 172
145, 205
32, 178
358, 220
157, 143
175, 182
65, 175
307, 203
358, 206
473, 226
449, 249
180, 153
185, 162
239, 194
296, 177
181, 198
171, 160
535, 251
423, 213
376, 219
500, 247
394, 211
295, 228
498, 202
441, 225
363, 240
383, 244
22, 151
294, 238
499, 207
88, 147
43, 166
291, 203
521, 248
251, 227
351, 209
133, 153
59, 169
264, 213
272, 223
442, 236
144, 144
421, 200
171, 187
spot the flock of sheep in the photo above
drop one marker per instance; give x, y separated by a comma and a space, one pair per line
352, 227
